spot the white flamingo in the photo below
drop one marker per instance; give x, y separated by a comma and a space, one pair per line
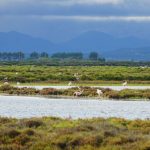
5, 78
125, 83
78, 93
18, 83
69, 118
76, 75
6, 83
70, 83
79, 88
99, 92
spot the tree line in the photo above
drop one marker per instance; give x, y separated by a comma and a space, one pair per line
12, 56
19, 56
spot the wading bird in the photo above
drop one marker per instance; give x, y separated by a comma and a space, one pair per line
76, 75
70, 83
6, 83
69, 118
18, 83
99, 92
5, 78
78, 93
125, 83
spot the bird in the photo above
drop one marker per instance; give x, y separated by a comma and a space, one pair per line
99, 92
143, 67
69, 117
78, 93
6, 83
18, 83
76, 75
79, 88
5, 78
70, 83
125, 83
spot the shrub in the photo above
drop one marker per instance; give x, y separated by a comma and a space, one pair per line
29, 132
32, 123
12, 133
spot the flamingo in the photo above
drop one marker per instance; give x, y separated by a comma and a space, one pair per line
70, 84
125, 83
99, 92
5, 78
78, 93
6, 83
69, 118
76, 75
18, 83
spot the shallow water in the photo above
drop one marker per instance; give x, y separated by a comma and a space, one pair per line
118, 88
26, 107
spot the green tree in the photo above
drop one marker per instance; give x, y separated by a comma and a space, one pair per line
44, 55
93, 56
34, 55
20, 55
68, 55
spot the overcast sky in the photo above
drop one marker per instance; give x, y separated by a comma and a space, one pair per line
59, 20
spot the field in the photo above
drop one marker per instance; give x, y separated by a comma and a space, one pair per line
65, 134
102, 75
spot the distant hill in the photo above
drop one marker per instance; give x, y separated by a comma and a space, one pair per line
13, 41
124, 48
99, 41
140, 54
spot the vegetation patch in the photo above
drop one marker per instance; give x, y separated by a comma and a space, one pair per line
90, 134
87, 92
76, 74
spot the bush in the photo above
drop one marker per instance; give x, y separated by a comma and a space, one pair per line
12, 133
29, 132
32, 123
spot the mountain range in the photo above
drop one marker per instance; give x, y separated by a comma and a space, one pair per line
110, 47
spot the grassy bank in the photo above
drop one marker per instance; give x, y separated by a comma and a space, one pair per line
88, 92
65, 134
78, 75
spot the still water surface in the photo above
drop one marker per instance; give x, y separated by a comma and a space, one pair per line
26, 107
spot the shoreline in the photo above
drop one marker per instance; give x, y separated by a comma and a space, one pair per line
58, 97
112, 87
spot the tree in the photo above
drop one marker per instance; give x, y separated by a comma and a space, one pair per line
34, 55
93, 56
9, 56
44, 55
68, 55
20, 55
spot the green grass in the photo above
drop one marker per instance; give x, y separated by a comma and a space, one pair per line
100, 75
86, 83
64, 134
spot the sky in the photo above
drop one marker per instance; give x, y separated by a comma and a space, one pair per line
61, 20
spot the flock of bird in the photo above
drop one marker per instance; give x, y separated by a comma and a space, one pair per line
76, 93
6, 80
99, 92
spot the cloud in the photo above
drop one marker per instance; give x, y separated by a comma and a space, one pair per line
84, 2
61, 2
78, 18
95, 18
76, 7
